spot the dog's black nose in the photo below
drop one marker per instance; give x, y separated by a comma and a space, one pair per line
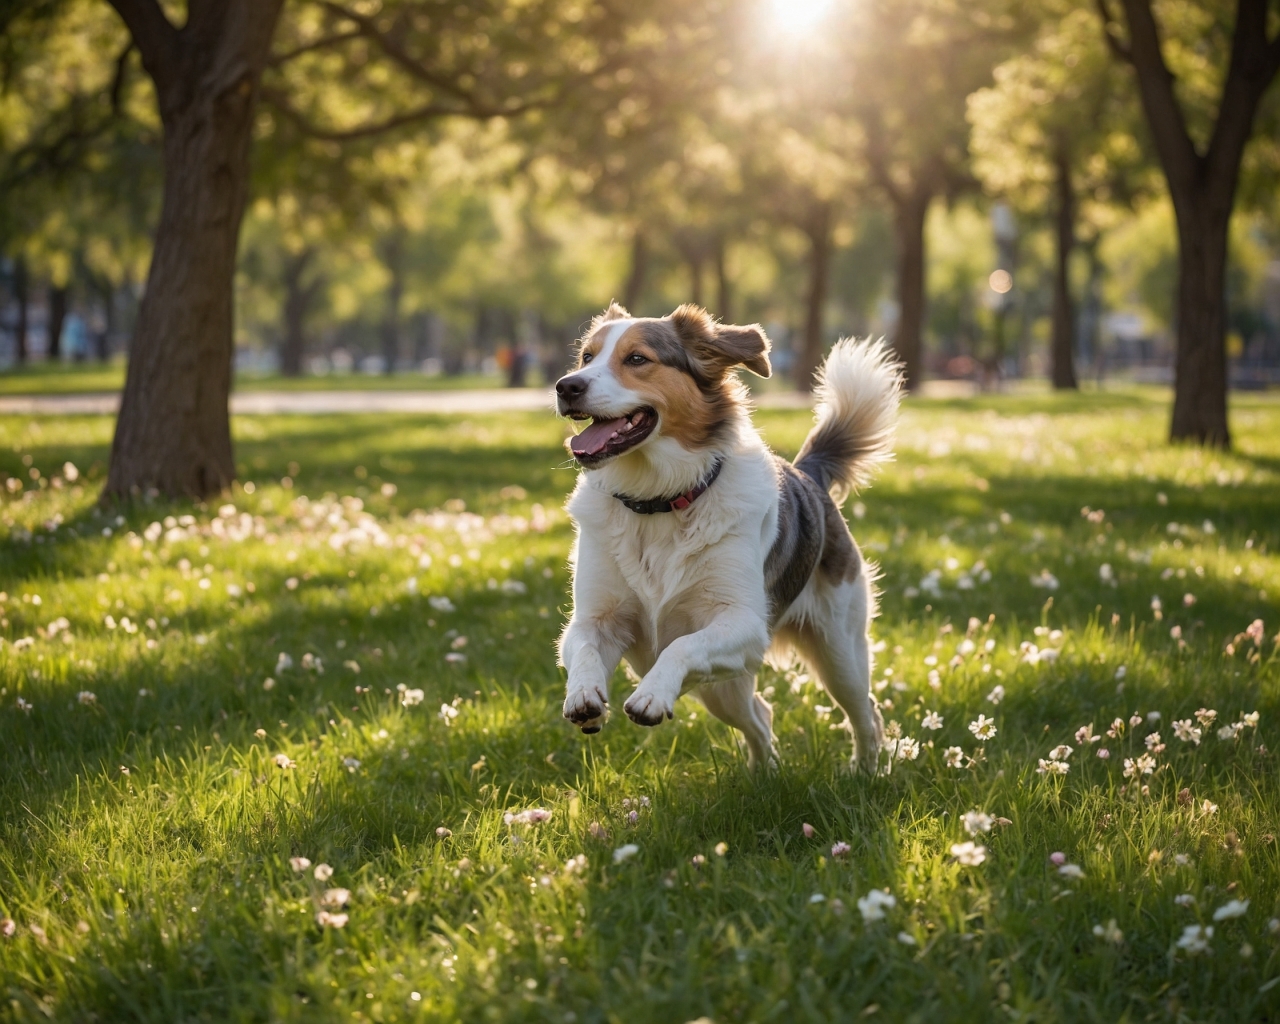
571, 387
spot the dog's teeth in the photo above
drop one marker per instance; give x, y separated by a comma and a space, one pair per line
626, 426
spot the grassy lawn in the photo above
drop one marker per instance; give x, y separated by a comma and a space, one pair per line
87, 378
364, 677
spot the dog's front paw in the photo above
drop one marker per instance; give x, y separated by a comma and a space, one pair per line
647, 708
586, 709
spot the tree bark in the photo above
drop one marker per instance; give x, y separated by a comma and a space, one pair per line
724, 287
57, 317
1063, 334
634, 287
393, 260
1202, 186
22, 294
297, 300
1200, 361
909, 219
173, 434
811, 349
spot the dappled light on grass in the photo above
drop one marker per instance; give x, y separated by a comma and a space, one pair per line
321, 771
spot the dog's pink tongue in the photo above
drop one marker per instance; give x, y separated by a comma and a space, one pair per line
593, 440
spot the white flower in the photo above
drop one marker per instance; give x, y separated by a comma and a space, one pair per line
1073, 871
840, 849
996, 695
817, 897
953, 757
873, 905
1143, 765
284, 761
411, 697
1185, 731
327, 920
983, 727
87, 697
336, 899
1230, 732
447, 713
976, 821
931, 721
1205, 717
1110, 933
624, 852
1195, 938
532, 816
323, 872
1208, 807
1052, 767
1153, 743
351, 764
575, 864
1250, 720
906, 938
907, 749
969, 854
1045, 581
441, 604
299, 864
1085, 735
1185, 900
1060, 753
283, 662
1230, 909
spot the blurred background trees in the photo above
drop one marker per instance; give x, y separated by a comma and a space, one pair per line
1006, 190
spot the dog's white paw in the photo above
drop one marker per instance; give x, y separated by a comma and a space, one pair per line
586, 708
644, 707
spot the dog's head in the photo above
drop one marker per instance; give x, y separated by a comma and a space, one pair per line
643, 378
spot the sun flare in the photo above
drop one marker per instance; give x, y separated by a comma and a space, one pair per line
796, 17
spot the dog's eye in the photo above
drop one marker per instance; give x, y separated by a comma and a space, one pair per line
636, 359
586, 358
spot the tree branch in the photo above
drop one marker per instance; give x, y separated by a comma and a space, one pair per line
396, 52
426, 112
1110, 33
154, 36
117, 80
317, 44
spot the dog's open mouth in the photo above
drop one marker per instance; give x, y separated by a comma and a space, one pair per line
606, 438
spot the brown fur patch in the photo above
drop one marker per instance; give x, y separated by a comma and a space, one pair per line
686, 411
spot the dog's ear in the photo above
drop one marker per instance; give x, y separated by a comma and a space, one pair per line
718, 346
614, 312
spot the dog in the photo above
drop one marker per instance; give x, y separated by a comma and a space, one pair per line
698, 551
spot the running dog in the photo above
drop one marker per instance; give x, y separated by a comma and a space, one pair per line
698, 550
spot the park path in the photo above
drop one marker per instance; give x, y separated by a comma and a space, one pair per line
316, 403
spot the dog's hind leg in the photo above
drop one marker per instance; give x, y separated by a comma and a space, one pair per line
736, 703
835, 643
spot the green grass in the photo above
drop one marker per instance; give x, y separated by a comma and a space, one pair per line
89, 378
146, 832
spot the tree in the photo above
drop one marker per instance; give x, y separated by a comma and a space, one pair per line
404, 65
1057, 134
173, 432
1201, 145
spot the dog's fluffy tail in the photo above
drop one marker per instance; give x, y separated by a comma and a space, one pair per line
858, 391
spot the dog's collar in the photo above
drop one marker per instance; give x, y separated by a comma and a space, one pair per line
680, 501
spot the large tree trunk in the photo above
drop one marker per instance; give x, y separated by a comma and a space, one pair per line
22, 295
173, 434
811, 348
393, 259
724, 287
634, 287
908, 221
297, 298
1063, 333
1202, 184
1200, 369
57, 317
